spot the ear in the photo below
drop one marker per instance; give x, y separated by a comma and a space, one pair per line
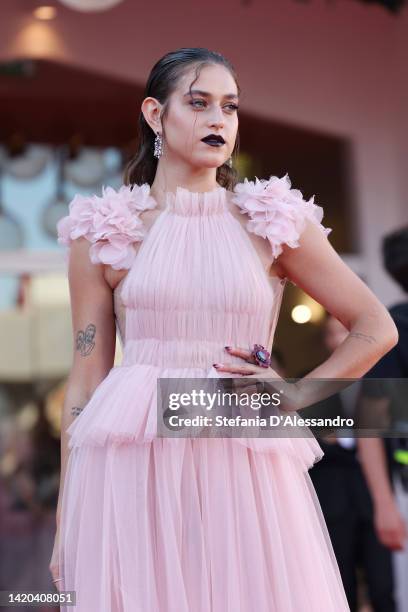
151, 109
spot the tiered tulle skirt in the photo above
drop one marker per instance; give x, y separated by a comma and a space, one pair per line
188, 524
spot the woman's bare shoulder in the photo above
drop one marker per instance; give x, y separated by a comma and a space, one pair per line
111, 223
277, 214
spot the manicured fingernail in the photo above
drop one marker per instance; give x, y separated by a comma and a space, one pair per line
227, 348
216, 365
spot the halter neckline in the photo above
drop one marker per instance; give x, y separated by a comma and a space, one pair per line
195, 203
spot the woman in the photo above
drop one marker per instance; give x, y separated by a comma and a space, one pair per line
194, 524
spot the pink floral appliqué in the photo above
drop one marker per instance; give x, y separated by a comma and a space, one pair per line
111, 222
276, 211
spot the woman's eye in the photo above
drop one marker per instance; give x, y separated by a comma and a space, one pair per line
201, 104
194, 102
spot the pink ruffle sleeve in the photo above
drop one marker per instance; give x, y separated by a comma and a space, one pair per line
276, 211
111, 222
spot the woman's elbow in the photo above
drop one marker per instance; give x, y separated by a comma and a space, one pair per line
390, 332
394, 335
382, 328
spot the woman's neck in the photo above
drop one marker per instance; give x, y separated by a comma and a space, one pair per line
205, 181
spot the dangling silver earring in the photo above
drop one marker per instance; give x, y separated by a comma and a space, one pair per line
158, 145
230, 162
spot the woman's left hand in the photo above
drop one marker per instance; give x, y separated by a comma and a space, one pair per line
249, 370
293, 400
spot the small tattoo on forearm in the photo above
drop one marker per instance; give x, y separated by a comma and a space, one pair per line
75, 410
85, 339
369, 339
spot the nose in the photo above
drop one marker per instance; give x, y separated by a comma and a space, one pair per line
217, 118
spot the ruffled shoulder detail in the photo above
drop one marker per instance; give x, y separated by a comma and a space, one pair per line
111, 222
276, 211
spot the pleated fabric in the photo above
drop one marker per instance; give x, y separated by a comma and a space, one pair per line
152, 524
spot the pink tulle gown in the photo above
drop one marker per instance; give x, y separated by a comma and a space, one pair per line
154, 524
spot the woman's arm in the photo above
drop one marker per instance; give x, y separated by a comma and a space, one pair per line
317, 268
94, 333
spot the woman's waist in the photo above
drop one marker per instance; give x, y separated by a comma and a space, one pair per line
180, 353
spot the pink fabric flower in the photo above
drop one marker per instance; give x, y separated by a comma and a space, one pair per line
276, 211
111, 222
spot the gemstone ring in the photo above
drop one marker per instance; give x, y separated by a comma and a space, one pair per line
261, 356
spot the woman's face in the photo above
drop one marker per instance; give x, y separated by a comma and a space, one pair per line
211, 109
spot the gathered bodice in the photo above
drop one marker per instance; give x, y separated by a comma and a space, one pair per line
196, 284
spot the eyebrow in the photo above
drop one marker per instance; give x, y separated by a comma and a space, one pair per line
206, 94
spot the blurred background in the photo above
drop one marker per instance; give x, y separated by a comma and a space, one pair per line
324, 98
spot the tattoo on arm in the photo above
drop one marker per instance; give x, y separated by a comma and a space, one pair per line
369, 339
75, 410
85, 339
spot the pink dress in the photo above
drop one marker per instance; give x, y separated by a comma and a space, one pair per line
155, 524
